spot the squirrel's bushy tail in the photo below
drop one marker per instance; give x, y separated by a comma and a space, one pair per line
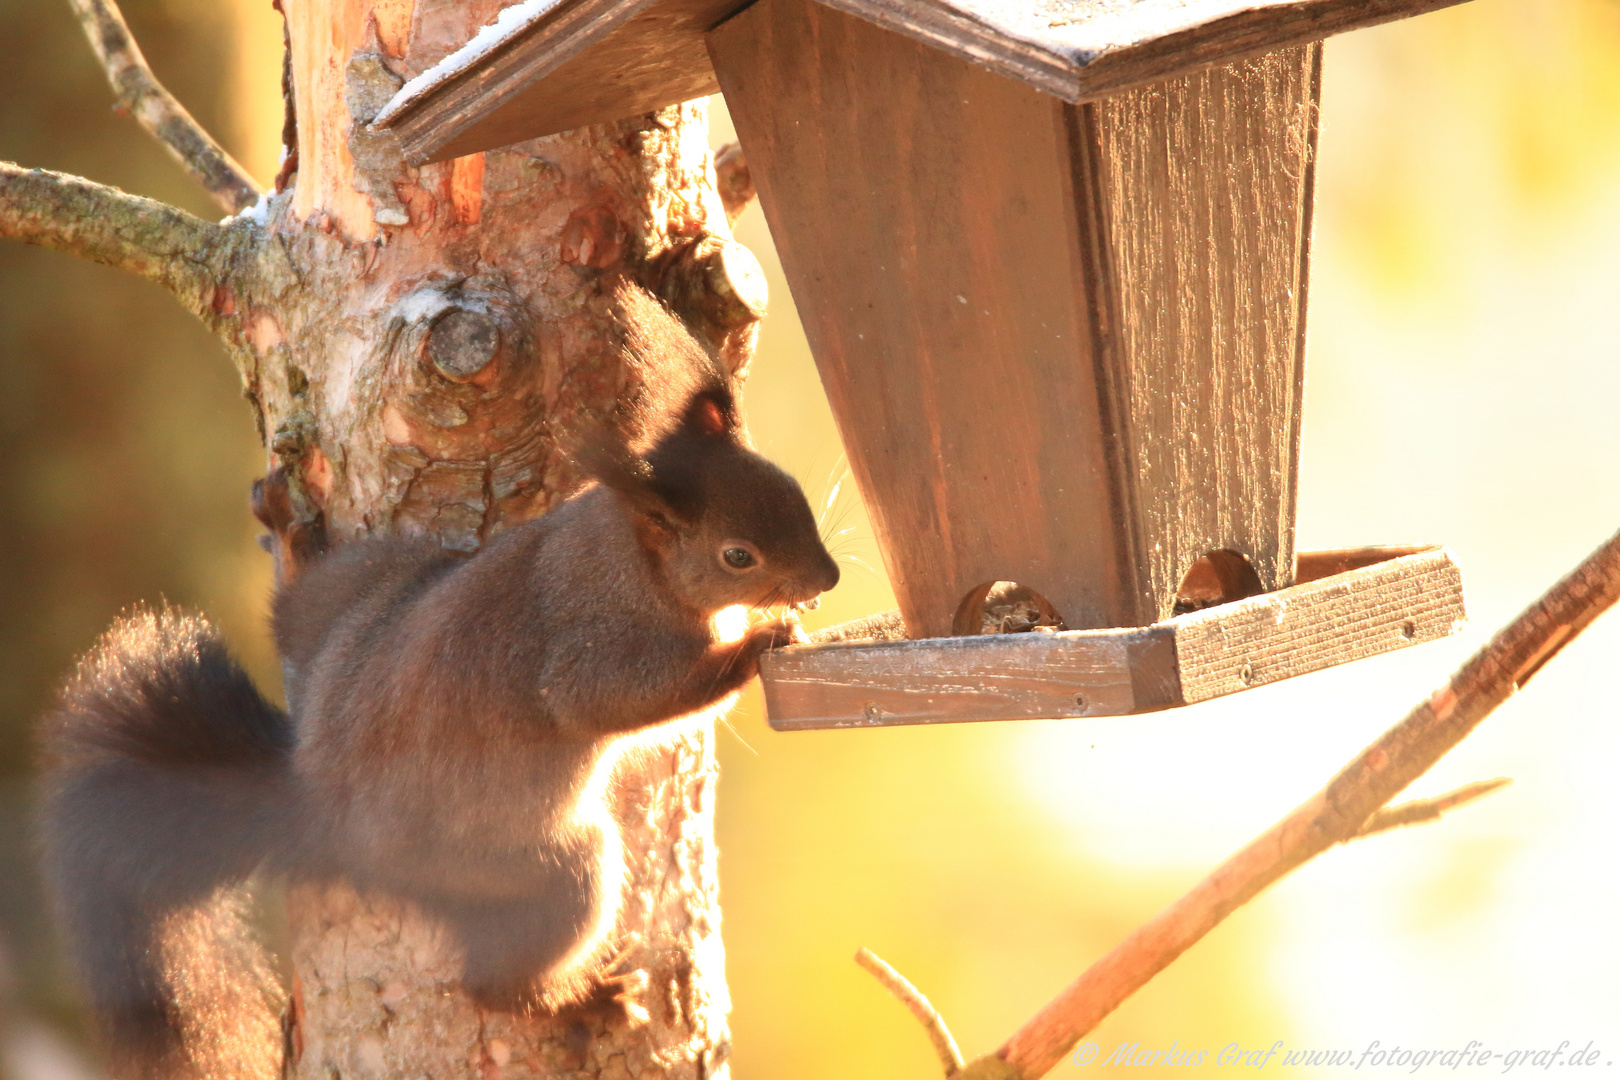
166, 785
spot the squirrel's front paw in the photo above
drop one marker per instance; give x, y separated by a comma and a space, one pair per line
778, 633
621, 983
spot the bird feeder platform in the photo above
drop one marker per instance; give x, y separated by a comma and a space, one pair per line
1349, 605
1052, 260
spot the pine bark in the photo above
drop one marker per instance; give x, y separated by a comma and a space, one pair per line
428, 337
417, 345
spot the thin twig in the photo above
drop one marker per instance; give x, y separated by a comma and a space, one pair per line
913, 999
1335, 814
188, 256
733, 180
1419, 811
156, 110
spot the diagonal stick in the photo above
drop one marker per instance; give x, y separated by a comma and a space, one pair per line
1333, 815
156, 110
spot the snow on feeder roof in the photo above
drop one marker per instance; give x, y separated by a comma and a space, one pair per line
1052, 260
550, 65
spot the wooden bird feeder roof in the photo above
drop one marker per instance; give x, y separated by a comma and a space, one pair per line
551, 65
1061, 324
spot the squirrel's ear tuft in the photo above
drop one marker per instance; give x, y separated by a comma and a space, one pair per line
603, 457
711, 412
615, 466
709, 417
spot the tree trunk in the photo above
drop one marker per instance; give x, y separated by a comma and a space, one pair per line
417, 344
436, 329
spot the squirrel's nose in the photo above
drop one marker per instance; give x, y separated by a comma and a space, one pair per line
828, 576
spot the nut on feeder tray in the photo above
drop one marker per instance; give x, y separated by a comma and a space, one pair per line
1060, 322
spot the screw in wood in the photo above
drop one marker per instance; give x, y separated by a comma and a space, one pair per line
873, 713
1246, 674
1408, 629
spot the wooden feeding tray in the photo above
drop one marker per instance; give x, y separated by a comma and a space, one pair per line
1052, 259
1348, 605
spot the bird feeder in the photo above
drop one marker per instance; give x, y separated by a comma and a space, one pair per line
1052, 260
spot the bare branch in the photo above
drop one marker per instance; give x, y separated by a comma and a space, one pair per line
1419, 811
184, 254
734, 181
1335, 814
921, 1008
156, 110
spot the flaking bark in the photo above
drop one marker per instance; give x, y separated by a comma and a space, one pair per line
419, 345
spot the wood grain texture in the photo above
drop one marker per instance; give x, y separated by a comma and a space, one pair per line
1084, 50
1204, 187
581, 62
1062, 343
950, 316
1332, 620
1222, 650
1242, 31
590, 61
945, 680
1310, 565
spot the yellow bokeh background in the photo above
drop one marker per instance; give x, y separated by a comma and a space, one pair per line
1463, 369
1463, 374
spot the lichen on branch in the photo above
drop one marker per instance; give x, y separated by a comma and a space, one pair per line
185, 254
157, 110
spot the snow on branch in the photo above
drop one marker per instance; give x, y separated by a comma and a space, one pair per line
156, 110
156, 241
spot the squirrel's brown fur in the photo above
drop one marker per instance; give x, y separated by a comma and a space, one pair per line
446, 712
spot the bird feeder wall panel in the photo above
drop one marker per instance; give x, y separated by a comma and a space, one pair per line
1063, 343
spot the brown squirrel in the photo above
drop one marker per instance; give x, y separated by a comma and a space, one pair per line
445, 713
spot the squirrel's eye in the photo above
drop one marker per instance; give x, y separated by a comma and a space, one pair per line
737, 558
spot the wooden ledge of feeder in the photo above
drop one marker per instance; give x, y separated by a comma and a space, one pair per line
551, 65
1367, 603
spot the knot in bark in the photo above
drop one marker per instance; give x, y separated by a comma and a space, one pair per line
462, 342
717, 283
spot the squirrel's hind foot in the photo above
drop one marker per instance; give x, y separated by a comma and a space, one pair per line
624, 988
297, 529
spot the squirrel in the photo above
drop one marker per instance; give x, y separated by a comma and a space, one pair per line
445, 713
